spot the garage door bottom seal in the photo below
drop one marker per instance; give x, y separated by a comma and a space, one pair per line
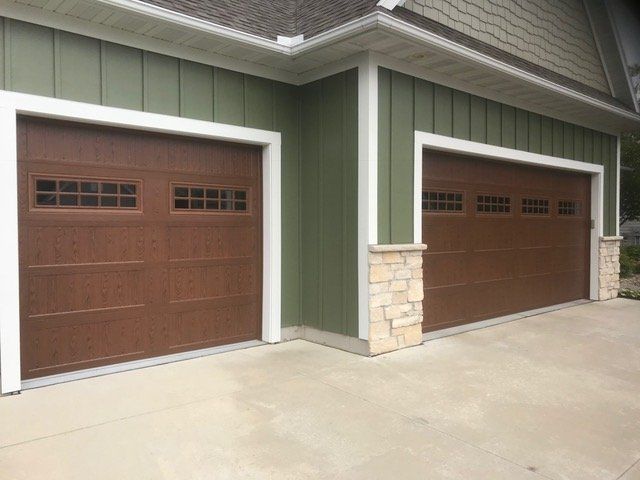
135, 365
447, 332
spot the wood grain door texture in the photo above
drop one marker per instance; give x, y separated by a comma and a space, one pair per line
134, 245
503, 238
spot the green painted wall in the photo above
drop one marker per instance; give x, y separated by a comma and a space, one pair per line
43, 61
407, 104
329, 204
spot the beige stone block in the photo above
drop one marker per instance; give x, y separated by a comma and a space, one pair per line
380, 273
412, 334
385, 345
379, 330
402, 274
406, 307
398, 285
376, 314
375, 258
415, 292
392, 311
414, 261
405, 321
392, 257
381, 287
399, 298
380, 300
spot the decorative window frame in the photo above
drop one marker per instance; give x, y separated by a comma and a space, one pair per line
13, 104
442, 213
492, 214
34, 207
191, 211
565, 215
550, 205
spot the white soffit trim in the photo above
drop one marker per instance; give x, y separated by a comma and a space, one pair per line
13, 104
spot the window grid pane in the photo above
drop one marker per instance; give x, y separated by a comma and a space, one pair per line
569, 208
535, 206
83, 193
207, 198
442, 202
493, 204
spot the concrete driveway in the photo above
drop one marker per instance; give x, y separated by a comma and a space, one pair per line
551, 396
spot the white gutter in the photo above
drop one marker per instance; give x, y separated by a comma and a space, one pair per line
373, 20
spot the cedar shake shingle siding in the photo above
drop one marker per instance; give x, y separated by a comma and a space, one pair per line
554, 34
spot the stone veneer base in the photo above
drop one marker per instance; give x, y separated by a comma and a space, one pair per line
609, 267
395, 297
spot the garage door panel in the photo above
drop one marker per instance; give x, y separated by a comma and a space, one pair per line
110, 285
84, 291
533, 261
441, 308
445, 236
72, 244
84, 345
202, 328
491, 265
211, 282
507, 261
212, 242
490, 234
445, 269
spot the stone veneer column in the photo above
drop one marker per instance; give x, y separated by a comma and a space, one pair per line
609, 267
395, 297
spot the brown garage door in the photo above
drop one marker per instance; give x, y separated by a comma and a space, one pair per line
502, 238
134, 245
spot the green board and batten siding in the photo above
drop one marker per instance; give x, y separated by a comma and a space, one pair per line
407, 104
43, 61
329, 192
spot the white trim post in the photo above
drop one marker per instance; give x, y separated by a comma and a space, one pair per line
271, 243
367, 183
618, 147
9, 260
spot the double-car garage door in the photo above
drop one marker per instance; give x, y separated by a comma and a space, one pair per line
134, 245
502, 238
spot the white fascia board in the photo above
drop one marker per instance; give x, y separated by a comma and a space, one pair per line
204, 26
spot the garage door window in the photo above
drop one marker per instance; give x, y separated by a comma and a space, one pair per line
208, 198
493, 204
442, 201
84, 193
535, 206
569, 208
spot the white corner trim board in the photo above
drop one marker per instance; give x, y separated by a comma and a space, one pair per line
447, 144
13, 104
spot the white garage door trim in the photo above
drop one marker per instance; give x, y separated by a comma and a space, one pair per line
14, 104
447, 144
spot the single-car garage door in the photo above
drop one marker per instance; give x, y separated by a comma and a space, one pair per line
502, 238
134, 245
